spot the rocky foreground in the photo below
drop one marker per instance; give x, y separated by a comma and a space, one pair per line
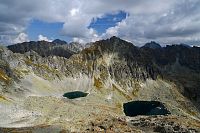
34, 76
139, 124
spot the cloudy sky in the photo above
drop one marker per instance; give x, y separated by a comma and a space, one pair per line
138, 21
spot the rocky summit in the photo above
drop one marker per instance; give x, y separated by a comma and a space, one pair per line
162, 83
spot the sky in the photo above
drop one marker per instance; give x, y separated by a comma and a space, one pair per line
138, 21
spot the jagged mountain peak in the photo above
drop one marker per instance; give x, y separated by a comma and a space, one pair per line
115, 38
112, 71
113, 45
118, 40
152, 45
58, 41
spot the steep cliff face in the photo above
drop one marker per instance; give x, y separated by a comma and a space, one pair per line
112, 71
115, 60
180, 64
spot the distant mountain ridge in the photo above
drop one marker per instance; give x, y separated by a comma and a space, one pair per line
162, 55
58, 41
111, 71
152, 60
152, 45
43, 48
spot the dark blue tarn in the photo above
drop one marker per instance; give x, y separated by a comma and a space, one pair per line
135, 108
75, 94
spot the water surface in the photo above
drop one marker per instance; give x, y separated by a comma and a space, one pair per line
135, 108
75, 94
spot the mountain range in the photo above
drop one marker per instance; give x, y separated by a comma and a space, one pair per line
34, 76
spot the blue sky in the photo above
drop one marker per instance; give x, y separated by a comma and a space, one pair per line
53, 30
107, 21
138, 21
50, 30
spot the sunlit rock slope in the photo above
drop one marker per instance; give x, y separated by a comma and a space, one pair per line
34, 77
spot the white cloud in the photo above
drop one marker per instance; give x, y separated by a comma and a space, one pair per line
112, 31
74, 11
22, 37
79, 40
166, 21
92, 36
43, 38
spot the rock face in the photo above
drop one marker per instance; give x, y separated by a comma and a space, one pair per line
152, 45
43, 48
35, 75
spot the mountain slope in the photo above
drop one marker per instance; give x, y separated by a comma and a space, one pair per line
43, 48
112, 71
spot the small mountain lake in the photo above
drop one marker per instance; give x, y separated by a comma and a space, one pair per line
135, 108
75, 94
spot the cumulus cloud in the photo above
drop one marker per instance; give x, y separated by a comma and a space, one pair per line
177, 24
15, 15
22, 37
166, 21
43, 38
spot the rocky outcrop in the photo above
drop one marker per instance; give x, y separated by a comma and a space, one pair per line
180, 64
112, 71
118, 60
